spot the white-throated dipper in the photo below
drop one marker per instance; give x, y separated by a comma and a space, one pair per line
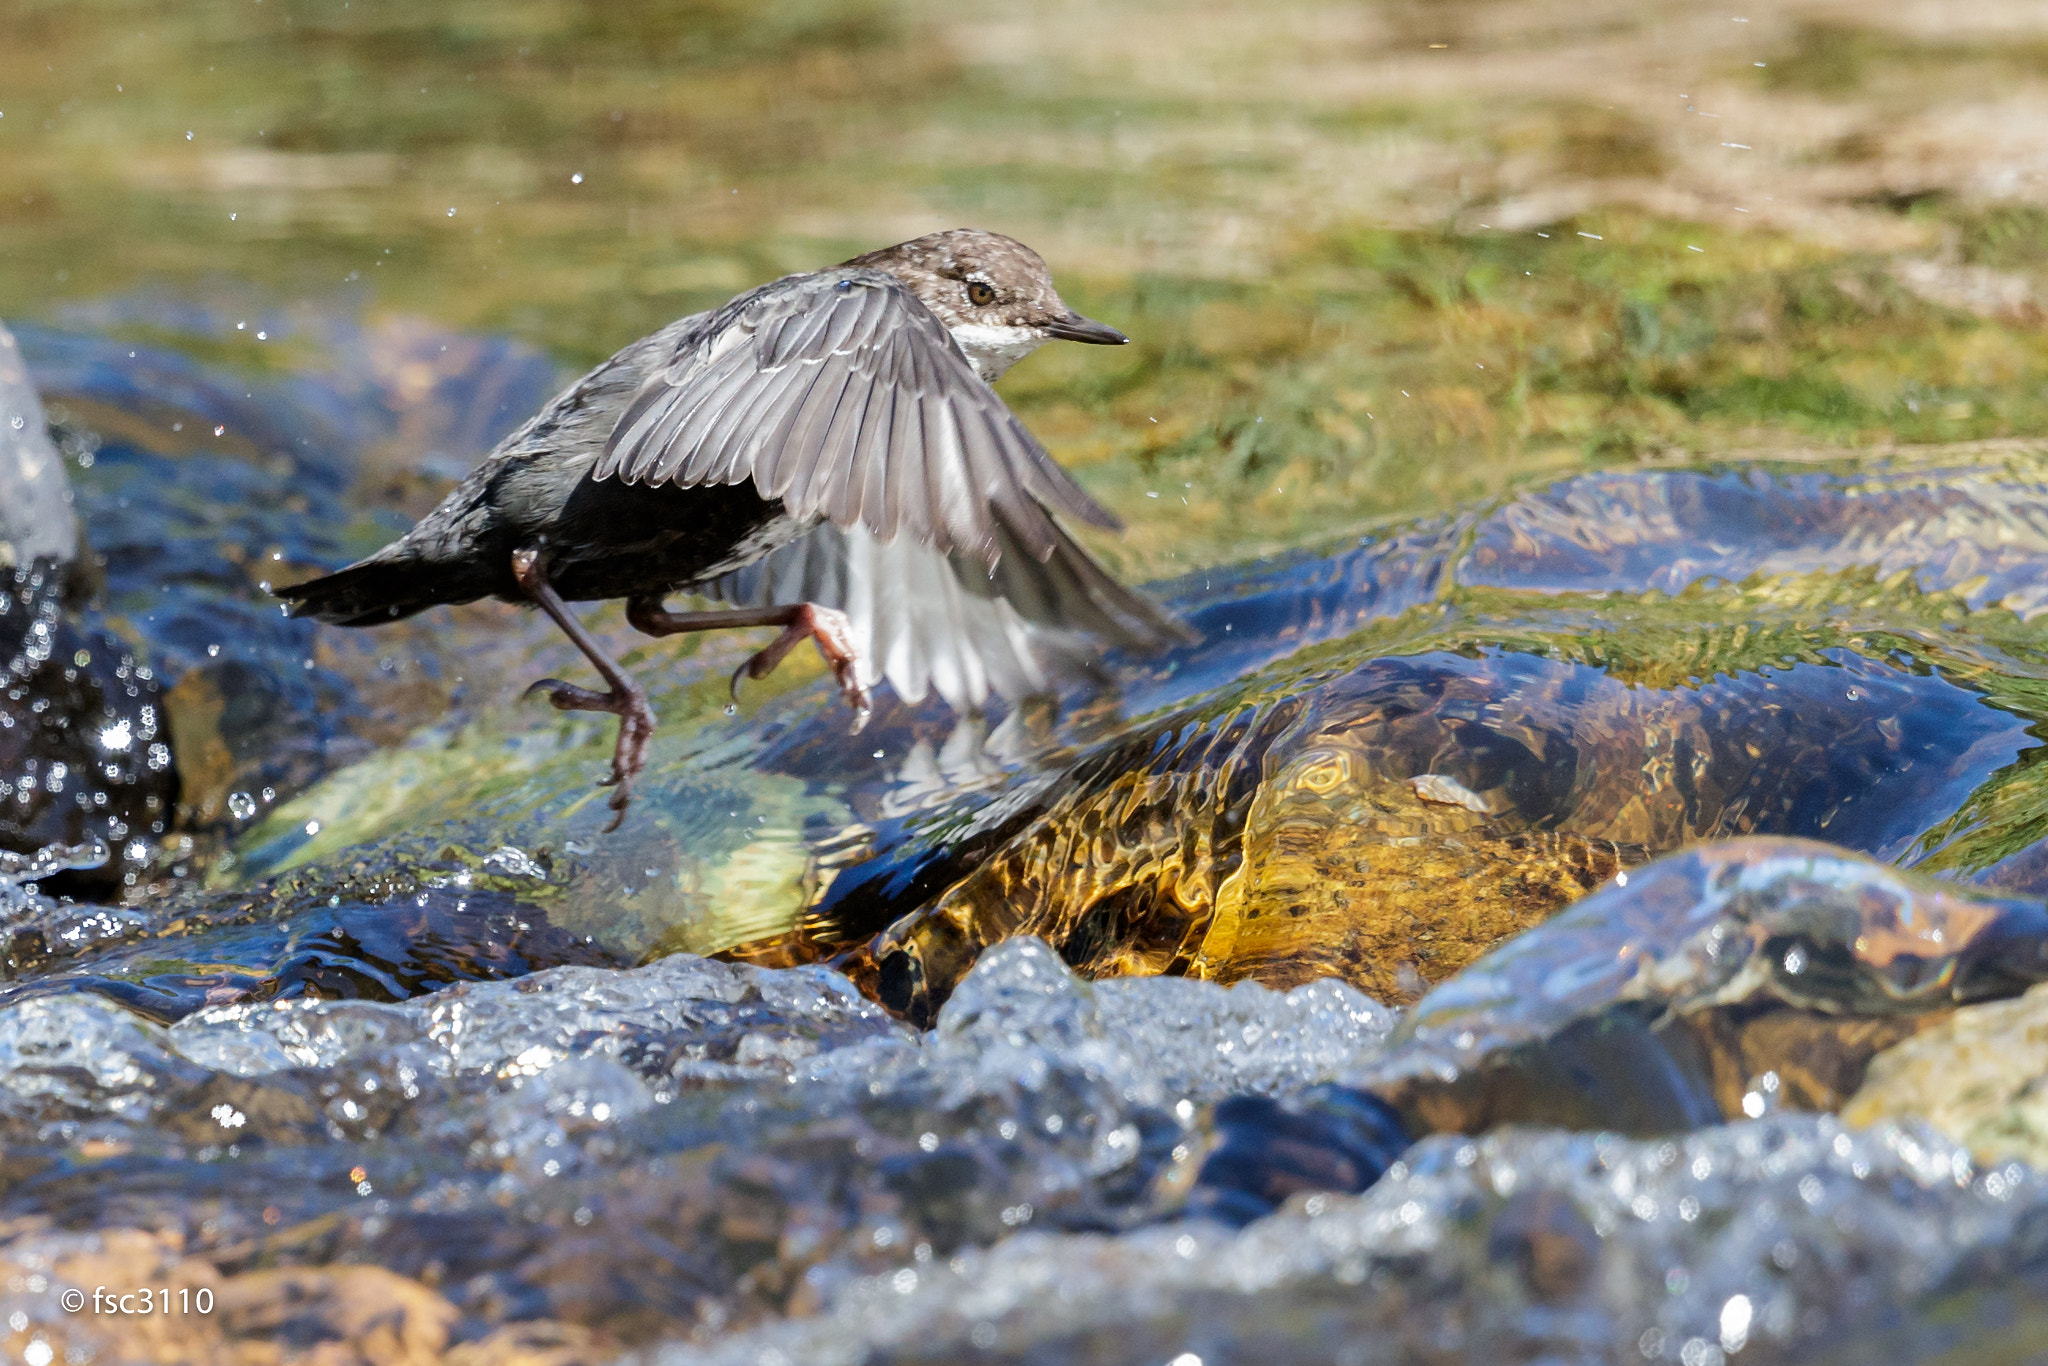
825, 453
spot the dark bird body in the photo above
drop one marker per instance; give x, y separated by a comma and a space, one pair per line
606, 538
825, 453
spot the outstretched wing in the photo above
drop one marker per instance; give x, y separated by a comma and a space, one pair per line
842, 395
930, 622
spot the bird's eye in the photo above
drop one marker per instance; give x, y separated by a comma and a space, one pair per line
980, 294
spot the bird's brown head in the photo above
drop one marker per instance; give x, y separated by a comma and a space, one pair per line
993, 293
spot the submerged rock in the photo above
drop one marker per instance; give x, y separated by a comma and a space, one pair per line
1710, 985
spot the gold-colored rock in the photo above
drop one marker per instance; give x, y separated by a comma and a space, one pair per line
1387, 823
1347, 874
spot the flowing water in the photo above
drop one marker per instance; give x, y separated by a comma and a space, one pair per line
394, 1029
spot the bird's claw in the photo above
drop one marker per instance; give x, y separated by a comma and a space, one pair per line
546, 685
569, 697
620, 800
636, 727
856, 696
834, 638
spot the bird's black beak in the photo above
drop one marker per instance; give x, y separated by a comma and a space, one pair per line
1074, 327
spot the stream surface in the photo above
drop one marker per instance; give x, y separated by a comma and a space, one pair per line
1033, 1037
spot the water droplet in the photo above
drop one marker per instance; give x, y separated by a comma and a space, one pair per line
732, 709
241, 805
576, 179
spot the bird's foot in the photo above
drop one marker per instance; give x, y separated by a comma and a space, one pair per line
636, 727
834, 635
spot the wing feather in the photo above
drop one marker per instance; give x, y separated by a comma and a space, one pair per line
868, 452
767, 453
932, 622
842, 395
783, 472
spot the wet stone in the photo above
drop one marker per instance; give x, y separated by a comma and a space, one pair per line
1980, 1077
1331, 1139
1388, 822
380, 951
1713, 984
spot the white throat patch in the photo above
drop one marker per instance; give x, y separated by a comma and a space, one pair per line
992, 350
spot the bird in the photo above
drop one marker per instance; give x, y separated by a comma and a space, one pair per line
823, 453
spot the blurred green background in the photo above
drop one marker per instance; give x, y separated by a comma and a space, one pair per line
1379, 258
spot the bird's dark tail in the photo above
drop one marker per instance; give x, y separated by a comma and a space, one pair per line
375, 591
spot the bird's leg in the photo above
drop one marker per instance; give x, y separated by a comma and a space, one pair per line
625, 700
805, 621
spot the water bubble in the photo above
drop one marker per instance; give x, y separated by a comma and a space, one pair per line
241, 805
